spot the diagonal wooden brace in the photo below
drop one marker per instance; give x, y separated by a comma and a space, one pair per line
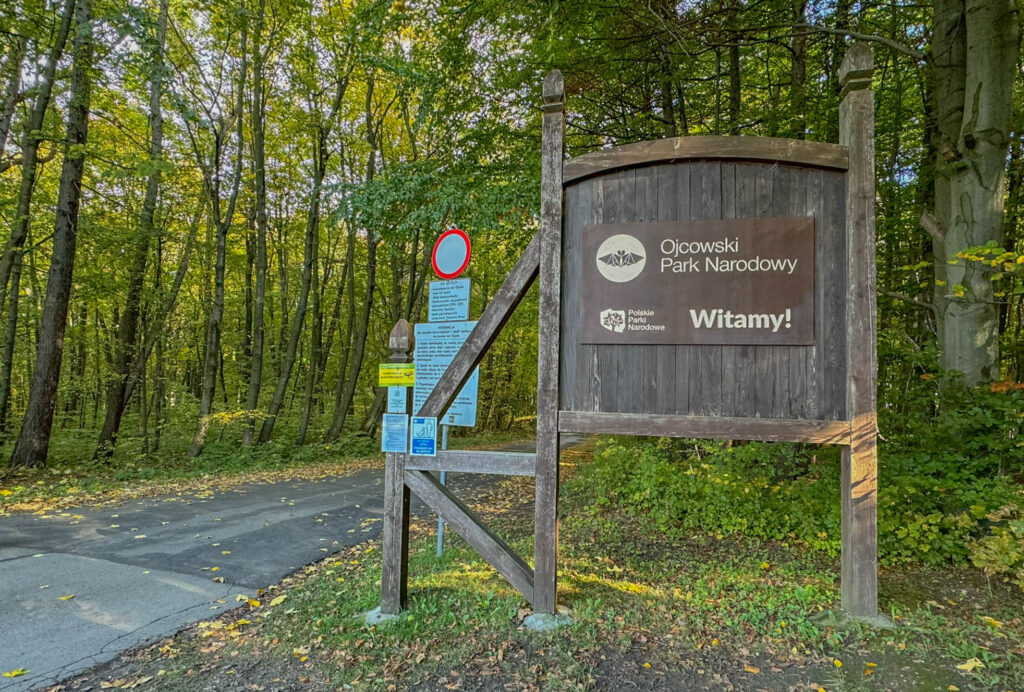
458, 516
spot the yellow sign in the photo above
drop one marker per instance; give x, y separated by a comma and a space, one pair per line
396, 375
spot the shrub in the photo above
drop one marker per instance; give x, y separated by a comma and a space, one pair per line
943, 470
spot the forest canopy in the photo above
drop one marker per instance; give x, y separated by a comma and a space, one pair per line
215, 212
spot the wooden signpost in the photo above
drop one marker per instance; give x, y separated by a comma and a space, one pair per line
710, 287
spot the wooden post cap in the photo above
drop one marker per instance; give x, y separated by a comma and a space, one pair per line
554, 92
857, 68
401, 340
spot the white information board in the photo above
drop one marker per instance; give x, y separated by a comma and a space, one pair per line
449, 301
436, 346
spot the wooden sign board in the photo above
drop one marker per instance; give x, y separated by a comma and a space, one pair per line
748, 265
729, 281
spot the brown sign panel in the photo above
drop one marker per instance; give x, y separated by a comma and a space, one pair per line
729, 281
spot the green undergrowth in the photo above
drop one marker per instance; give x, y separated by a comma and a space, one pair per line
944, 474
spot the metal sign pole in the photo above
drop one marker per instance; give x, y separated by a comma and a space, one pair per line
440, 521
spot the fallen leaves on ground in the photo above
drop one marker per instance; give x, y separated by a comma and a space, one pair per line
971, 665
17, 672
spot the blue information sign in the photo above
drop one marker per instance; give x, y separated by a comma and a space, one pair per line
449, 301
436, 346
424, 436
396, 399
394, 433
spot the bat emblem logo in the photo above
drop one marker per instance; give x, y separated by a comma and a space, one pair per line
621, 258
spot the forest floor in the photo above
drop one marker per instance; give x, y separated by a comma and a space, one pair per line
651, 612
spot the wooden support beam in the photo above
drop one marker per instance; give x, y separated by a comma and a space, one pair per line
476, 461
487, 328
395, 531
859, 482
545, 555
459, 517
707, 427
769, 149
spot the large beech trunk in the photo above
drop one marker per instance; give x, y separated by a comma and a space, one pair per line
974, 52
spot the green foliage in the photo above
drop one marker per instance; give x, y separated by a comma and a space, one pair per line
943, 469
1002, 550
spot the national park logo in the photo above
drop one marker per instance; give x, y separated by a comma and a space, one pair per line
621, 258
614, 320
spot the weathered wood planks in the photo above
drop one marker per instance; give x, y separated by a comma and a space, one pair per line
545, 552
859, 478
771, 149
708, 427
476, 461
806, 382
395, 530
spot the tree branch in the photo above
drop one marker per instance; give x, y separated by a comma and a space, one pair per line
912, 301
888, 42
930, 224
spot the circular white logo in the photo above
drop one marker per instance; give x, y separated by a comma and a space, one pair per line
621, 258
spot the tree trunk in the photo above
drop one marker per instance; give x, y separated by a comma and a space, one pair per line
311, 249
252, 399
34, 441
734, 73
128, 326
12, 72
798, 74
10, 341
974, 52
11, 260
348, 390
30, 145
211, 347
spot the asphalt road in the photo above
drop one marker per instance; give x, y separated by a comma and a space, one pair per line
144, 570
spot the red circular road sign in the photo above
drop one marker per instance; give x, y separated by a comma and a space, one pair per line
451, 253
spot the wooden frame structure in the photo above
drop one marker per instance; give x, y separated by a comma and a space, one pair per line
824, 394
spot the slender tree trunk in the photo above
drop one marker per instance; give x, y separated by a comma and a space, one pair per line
128, 326
30, 145
311, 249
34, 441
348, 389
734, 82
11, 260
10, 341
798, 74
358, 346
158, 373
211, 348
252, 400
12, 72
316, 337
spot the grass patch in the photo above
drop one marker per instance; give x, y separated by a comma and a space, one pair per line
652, 610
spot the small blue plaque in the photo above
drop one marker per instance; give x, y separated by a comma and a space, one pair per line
396, 399
424, 436
394, 433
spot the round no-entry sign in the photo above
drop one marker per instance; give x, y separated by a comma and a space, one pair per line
451, 253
